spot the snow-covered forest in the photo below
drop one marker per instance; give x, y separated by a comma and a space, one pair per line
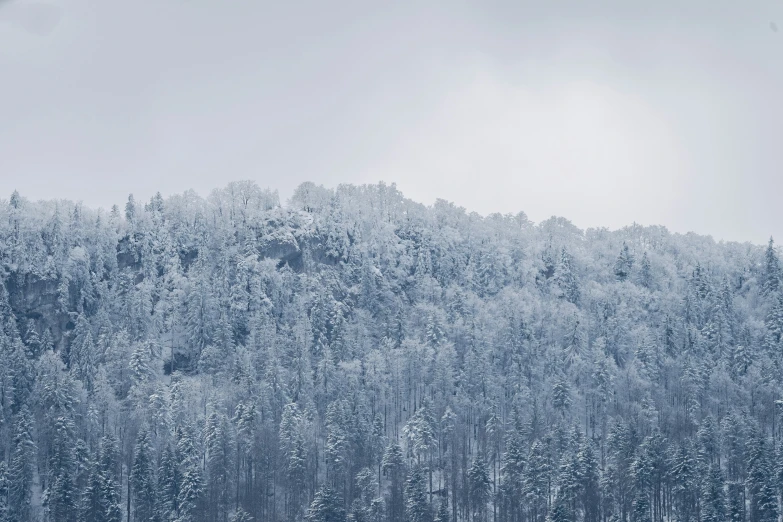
353, 355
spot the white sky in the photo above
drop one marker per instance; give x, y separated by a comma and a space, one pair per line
605, 113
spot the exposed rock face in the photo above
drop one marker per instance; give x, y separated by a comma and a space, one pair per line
282, 246
127, 255
33, 297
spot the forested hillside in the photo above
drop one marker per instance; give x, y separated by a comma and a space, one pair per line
354, 355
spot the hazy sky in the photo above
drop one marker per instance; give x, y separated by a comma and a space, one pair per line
606, 113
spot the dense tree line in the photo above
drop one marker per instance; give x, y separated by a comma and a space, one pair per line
354, 355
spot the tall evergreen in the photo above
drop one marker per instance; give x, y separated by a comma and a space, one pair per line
394, 467
417, 507
713, 496
169, 484
191, 488
479, 488
3, 492
219, 467
771, 276
762, 497
565, 278
61, 495
623, 264
21, 467
142, 478
442, 514
327, 506
645, 272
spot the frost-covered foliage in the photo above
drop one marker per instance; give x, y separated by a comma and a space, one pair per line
356, 355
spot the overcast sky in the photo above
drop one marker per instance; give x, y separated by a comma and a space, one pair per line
606, 113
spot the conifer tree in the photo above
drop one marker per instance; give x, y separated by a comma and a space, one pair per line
169, 483
589, 482
645, 272
327, 506
684, 480
713, 497
538, 480
191, 487
442, 515
108, 464
566, 279
736, 502
420, 432
762, 497
61, 496
622, 267
771, 283
3, 492
479, 487
417, 508
33, 341
218, 456
394, 467
142, 478
21, 467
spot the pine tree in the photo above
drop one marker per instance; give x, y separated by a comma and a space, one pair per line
589, 479
684, 479
420, 431
365, 506
568, 480
566, 279
3, 492
736, 502
624, 263
33, 341
218, 457
294, 452
20, 470
91, 508
512, 475
417, 508
479, 488
108, 464
641, 507
561, 396
190, 493
645, 272
538, 480
191, 488
734, 447
761, 491
771, 281
442, 515
561, 511
169, 481
774, 324
337, 447
130, 209
713, 497
327, 506
19, 371
60, 497
82, 359
709, 444
142, 478
394, 467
